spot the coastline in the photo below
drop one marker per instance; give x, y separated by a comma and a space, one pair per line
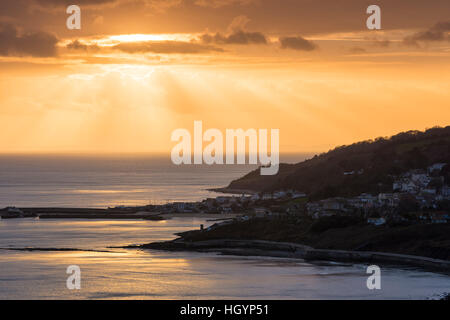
226, 190
108, 214
298, 251
209, 216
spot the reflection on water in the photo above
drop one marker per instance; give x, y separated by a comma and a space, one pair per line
137, 274
108, 180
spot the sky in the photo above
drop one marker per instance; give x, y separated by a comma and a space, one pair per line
139, 69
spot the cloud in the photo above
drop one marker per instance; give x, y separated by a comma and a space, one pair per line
78, 45
237, 34
238, 23
164, 47
37, 44
297, 43
439, 32
168, 47
237, 37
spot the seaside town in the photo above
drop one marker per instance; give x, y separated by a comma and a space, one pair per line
418, 196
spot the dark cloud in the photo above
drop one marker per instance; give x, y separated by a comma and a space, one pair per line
297, 43
167, 47
77, 45
37, 44
439, 32
236, 37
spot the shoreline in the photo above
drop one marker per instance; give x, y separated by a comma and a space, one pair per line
108, 214
226, 190
298, 251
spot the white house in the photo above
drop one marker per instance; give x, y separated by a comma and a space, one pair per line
376, 221
436, 166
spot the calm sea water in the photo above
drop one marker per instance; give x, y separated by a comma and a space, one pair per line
102, 181
136, 274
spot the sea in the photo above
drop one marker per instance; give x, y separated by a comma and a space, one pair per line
101, 181
111, 272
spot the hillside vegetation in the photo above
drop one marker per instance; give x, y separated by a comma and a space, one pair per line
370, 166
338, 233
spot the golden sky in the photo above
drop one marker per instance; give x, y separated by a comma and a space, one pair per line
139, 69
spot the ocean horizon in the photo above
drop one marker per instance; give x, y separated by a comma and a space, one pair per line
106, 180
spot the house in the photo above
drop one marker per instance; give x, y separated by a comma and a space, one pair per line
333, 204
312, 207
366, 197
179, 206
436, 166
222, 199
324, 213
356, 203
279, 194
429, 191
439, 217
255, 197
376, 221
397, 186
388, 199
267, 196
244, 198
226, 208
409, 186
296, 195
445, 191
261, 212
421, 179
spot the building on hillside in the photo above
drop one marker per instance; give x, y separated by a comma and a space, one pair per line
439, 217
267, 196
222, 199
296, 195
255, 197
445, 191
279, 194
436, 166
376, 221
261, 212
